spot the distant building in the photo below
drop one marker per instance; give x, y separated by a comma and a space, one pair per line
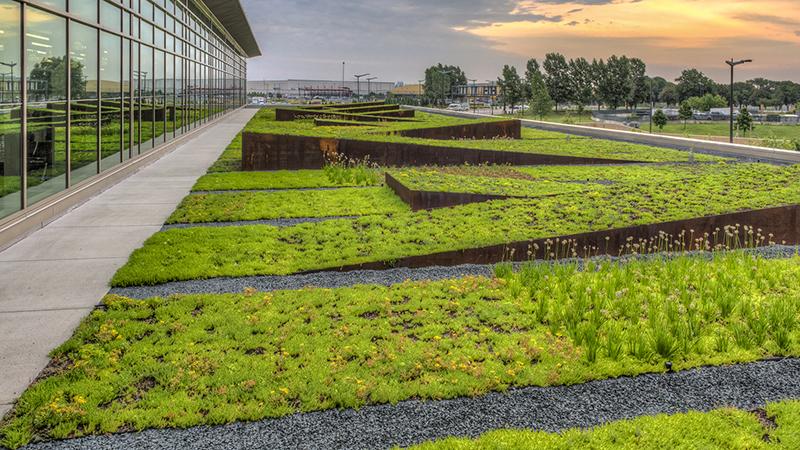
484, 92
408, 90
317, 88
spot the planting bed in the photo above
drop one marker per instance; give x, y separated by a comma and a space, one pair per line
279, 325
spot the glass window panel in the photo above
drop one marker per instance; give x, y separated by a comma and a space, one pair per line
46, 70
57, 4
126, 22
159, 18
158, 40
159, 111
111, 100
169, 90
136, 79
110, 16
146, 100
85, 9
127, 101
84, 107
10, 109
147, 32
147, 10
170, 43
179, 100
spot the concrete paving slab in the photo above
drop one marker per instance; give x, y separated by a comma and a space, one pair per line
53, 278
25, 341
46, 285
53, 243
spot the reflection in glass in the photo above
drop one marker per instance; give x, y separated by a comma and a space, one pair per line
110, 16
137, 100
169, 90
180, 119
10, 109
85, 9
46, 70
146, 99
127, 101
84, 109
111, 100
159, 111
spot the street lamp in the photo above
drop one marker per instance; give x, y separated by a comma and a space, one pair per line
473, 93
733, 64
10, 66
358, 84
492, 94
369, 85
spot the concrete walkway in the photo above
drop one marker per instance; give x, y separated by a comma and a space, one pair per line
52, 279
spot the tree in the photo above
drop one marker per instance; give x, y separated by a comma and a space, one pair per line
439, 81
685, 113
511, 86
541, 103
48, 79
744, 122
658, 84
613, 86
638, 83
582, 84
707, 102
531, 69
669, 94
693, 83
557, 77
660, 119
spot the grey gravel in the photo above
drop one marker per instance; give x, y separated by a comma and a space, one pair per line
388, 277
552, 409
241, 223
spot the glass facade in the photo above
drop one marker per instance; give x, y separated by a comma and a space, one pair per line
88, 84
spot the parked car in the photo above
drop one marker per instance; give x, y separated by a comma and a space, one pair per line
458, 107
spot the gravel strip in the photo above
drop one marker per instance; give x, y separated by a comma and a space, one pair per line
334, 279
272, 222
233, 191
747, 387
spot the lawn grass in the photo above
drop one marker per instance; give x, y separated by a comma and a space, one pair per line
231, 158
261, 250
211, 359
723, 129
723, 429
244, 206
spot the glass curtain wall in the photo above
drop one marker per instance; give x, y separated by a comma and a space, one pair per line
84, 89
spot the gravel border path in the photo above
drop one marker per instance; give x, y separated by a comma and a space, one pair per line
271, 222
747, 387
334, 279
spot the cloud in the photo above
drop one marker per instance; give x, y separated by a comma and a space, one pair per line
573, 23
765, 18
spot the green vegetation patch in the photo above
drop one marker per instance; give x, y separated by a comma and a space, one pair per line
243, 206
281, 179
231, 158
259, 250
724, 429
212, 359
532, 142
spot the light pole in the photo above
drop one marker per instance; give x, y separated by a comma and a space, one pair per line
473, 93
652, 106
442, 83
343, 66
733, 64
10, 66
492, 94
358, 85
369, 86
420, 91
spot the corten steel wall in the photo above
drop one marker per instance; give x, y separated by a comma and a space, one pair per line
419, 200
281, 152
487, 130
783, 222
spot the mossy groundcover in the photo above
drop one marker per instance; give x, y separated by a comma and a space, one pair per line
262, 250
264, 122
212, 359
724, 429
245, 206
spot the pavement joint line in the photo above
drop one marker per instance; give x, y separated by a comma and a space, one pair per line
98, 258
106, 226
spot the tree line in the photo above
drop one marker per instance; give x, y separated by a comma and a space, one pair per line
618, 81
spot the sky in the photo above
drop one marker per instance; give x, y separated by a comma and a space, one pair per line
396, 40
